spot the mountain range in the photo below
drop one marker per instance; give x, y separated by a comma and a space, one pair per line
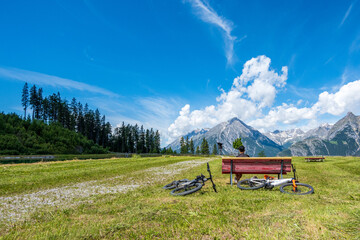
227, 132
342, 138
288, 137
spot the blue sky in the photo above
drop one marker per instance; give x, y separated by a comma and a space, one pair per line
185, 64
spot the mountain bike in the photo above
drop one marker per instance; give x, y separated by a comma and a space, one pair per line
287, 185
184, 187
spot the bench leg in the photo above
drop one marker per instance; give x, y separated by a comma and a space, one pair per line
231, 170
282, 163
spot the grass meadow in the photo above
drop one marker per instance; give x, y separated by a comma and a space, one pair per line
143, 210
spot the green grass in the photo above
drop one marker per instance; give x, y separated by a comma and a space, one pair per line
149, 212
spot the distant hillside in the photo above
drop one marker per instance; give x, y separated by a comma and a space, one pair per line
342, 139
288, 137
227, 132
18, 136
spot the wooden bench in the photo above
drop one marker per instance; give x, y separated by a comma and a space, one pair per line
314, 159
256, 165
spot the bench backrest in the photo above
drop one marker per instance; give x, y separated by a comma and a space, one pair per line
256, 165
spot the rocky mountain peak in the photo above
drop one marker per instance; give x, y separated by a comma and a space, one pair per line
236, 120
350, 121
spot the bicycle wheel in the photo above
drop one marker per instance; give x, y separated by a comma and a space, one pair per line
174, 184
248, 184
186, 190
301, 189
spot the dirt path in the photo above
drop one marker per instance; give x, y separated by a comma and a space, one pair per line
19, 207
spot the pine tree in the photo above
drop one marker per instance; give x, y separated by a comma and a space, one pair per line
169, 151
157, 142
187, 144
97, 126
80, 121
107, 133
136, 134
192, 148
214, 151
237, 143
74, 114
205, 147
130, 138
198, 150
39, 103
182, 146
152, 141
163, 151
147, 141
33, 100
45, 112
25, 98
141, 147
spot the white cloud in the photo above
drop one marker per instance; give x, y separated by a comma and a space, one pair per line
346, 99
346, 15
205, 12
250, 93
54, 81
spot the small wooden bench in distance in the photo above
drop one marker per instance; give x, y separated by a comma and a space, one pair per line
314, 159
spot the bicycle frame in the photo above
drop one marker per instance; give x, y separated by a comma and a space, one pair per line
272, 182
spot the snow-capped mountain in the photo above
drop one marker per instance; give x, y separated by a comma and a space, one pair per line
287, 137
227, 132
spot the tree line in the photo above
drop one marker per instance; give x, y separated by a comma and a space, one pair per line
81, 119
187, 147
19, 136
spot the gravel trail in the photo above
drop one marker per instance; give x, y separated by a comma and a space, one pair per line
19, 207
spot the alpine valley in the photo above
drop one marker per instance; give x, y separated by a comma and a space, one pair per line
340, 139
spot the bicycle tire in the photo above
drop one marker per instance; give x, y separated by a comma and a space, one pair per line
174, 184
188, 190
302, 189
247, 185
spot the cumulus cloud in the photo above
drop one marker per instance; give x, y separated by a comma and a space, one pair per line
251, 98
207, 14
346, 99
251, 92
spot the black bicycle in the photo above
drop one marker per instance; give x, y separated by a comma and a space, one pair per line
184, 187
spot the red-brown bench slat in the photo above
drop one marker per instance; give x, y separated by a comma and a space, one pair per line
256, 165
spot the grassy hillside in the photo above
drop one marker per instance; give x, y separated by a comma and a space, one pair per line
150, 212
18, 136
